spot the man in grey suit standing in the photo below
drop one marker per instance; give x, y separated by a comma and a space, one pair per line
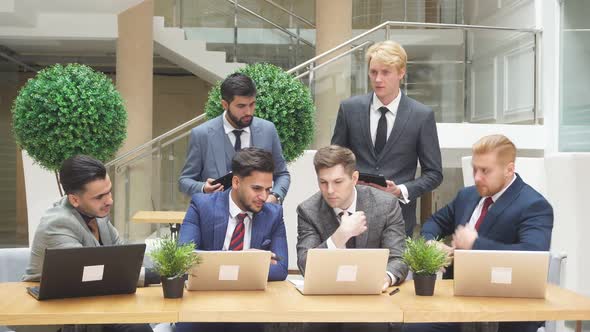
390, 132
213, 144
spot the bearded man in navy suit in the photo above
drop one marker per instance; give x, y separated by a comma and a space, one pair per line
501, 212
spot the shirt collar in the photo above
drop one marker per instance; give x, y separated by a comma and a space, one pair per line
351, 208
497, 195
392, 107
234, 210
228, 128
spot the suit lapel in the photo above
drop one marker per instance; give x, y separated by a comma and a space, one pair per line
362, 205
499, 206
218, 143
401, 120
255, 133
257, 229
365, 121
220, 220
469, 208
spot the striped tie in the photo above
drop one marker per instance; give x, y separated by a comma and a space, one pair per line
237, 238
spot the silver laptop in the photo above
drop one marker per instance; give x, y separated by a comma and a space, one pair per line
344, 271
501, 273
230, 270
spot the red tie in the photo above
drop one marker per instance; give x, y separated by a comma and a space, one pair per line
484, 211
237, 238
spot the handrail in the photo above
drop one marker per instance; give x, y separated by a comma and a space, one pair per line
271, 23
335, 58
155, 140
406, 24
290, 13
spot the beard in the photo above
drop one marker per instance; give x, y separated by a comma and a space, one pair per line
239, 121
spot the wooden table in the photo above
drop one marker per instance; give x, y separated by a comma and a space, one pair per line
560, 304
17, 307
172, 218
282, 303
159, 217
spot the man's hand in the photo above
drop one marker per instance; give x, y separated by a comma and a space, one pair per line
271, 199
448, 250
273, 258
209, 188
464, 237
391, 188
387, 282
350, 226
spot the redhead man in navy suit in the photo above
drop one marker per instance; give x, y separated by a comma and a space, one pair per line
501, 212
239, 219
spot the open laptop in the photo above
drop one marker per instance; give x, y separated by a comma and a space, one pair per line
89, 271
501, 273
230, 270
344, 271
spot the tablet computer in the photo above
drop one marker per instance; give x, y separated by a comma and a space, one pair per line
373, 178
224, 180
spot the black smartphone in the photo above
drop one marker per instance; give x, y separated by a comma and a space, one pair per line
224, 180
373, 178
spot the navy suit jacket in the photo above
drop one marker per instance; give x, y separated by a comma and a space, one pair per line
205, 224
521, 219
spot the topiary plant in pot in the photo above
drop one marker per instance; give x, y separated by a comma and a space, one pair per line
281, 99
69, 110
425, 259
172, 261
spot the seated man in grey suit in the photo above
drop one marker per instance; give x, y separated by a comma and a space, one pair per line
390, 132
212, 145
343, 215
81, 219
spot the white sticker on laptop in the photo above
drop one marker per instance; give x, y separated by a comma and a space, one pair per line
229, 272
501, 275
92, 273
346, 273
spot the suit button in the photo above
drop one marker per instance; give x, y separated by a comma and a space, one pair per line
377, 168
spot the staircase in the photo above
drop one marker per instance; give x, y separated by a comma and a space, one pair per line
191, 55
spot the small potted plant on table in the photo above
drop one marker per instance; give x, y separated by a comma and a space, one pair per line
425, 259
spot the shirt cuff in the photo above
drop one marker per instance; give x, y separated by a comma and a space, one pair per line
391, 278
330, 243
203, 188
404, 198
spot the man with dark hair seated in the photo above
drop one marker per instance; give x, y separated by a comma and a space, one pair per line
81, 219
239, 219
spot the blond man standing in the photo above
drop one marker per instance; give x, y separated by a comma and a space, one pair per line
389, 132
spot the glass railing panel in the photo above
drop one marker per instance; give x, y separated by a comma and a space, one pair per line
147, 180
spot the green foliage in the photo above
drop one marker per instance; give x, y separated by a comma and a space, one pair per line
172, 259
69, 110
423, 257
281, 99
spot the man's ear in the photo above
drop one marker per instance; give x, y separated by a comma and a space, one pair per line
74, 200
235, 181
224, 104
355, 177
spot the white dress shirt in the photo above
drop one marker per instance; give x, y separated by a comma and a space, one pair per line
351, 209
374, 116
244, 138
477, 212
234, 210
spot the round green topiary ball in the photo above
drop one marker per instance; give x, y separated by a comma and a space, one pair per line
281, 99
64, 111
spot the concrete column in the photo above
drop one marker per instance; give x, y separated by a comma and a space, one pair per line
135, 49
331, 83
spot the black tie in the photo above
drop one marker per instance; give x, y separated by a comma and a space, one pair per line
351, 243
238, 145
381, 136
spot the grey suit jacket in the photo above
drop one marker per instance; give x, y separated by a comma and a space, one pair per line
316, 222
62, 227
412, 139
210, 153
